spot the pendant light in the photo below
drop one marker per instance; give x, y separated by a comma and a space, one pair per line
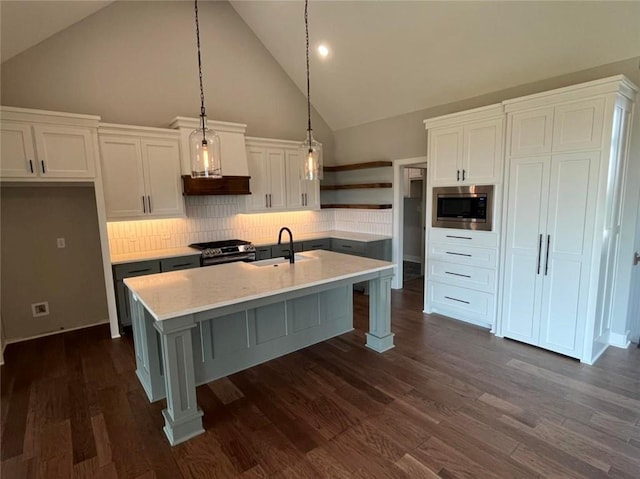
204, 143
310, 147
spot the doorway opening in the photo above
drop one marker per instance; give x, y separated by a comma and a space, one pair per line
409, 206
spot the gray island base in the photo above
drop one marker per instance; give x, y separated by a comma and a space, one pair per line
194, 326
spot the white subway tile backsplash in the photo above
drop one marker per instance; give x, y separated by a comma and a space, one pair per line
217, 218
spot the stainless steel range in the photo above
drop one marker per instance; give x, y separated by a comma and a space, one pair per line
228, 251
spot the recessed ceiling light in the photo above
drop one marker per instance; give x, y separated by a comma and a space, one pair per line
323, 50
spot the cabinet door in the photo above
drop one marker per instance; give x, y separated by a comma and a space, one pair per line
259, 182
524, 260
64, 152
123, 177
578, 125
445, 153
277, 176
531, 132
161, 161
296, 187
18, 159
569, 240
482, 152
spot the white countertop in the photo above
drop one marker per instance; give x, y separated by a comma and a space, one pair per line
154, 254
186, 251
176, 293
348, 235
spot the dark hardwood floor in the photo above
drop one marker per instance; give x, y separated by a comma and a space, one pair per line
449, 401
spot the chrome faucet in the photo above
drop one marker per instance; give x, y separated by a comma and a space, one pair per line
291, 257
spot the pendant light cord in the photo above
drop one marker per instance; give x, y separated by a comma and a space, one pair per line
306, 26
202, 110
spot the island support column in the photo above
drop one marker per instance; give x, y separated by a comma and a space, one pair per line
380, 337
183, 417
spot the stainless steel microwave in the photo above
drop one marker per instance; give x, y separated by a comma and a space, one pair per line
463, 207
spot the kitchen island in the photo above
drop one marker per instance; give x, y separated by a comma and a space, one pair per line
194, 326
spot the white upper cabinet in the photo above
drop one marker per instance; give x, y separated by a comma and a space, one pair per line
276, 168
47, 146
18, 153
568, 127
466, 148
301, 193
141, 172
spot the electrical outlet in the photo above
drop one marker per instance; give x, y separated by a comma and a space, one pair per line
61, 243
40, 309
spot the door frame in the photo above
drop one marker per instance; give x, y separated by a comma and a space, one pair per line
397, 246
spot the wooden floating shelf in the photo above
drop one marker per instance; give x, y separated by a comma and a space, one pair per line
358, 207
227, 185
359, 166
355, 186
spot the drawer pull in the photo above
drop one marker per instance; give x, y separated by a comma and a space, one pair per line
458, 300
139, 271
459, 237
459, 254
180, 265
346, 246
458, 274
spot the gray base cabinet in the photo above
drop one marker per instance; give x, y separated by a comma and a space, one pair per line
142, 268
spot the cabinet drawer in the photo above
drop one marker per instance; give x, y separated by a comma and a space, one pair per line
181, 262
480, 279
263, 252
483, 257
141, 268
324, 243
348, 246
461, 303
484, 239
279, 250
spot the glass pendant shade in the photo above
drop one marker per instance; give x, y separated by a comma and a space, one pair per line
312, 158
205, 154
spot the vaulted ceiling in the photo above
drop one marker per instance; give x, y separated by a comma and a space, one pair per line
393, 57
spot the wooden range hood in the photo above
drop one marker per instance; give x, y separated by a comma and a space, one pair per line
227, 185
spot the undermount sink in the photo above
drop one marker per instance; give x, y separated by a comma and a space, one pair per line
278, 261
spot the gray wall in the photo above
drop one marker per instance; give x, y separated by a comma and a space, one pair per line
33, 269
136, 63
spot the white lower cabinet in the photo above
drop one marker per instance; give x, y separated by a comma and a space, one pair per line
461, 303
461, 275
141, 172
552, 201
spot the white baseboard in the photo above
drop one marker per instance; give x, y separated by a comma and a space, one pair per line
412, 258
51, 333
620, 340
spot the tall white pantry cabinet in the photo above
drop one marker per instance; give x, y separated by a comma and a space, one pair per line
566, 155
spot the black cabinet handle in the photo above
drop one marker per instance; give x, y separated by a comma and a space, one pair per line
458, 254
458, 300
144, 205
546, 263
458, 237
539, 251
149, 201
463, 173
139, 271
31, 166
458, 175
181, 265
43, 169
347, 246
458, 274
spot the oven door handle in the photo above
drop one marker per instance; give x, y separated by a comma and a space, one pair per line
227, 259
